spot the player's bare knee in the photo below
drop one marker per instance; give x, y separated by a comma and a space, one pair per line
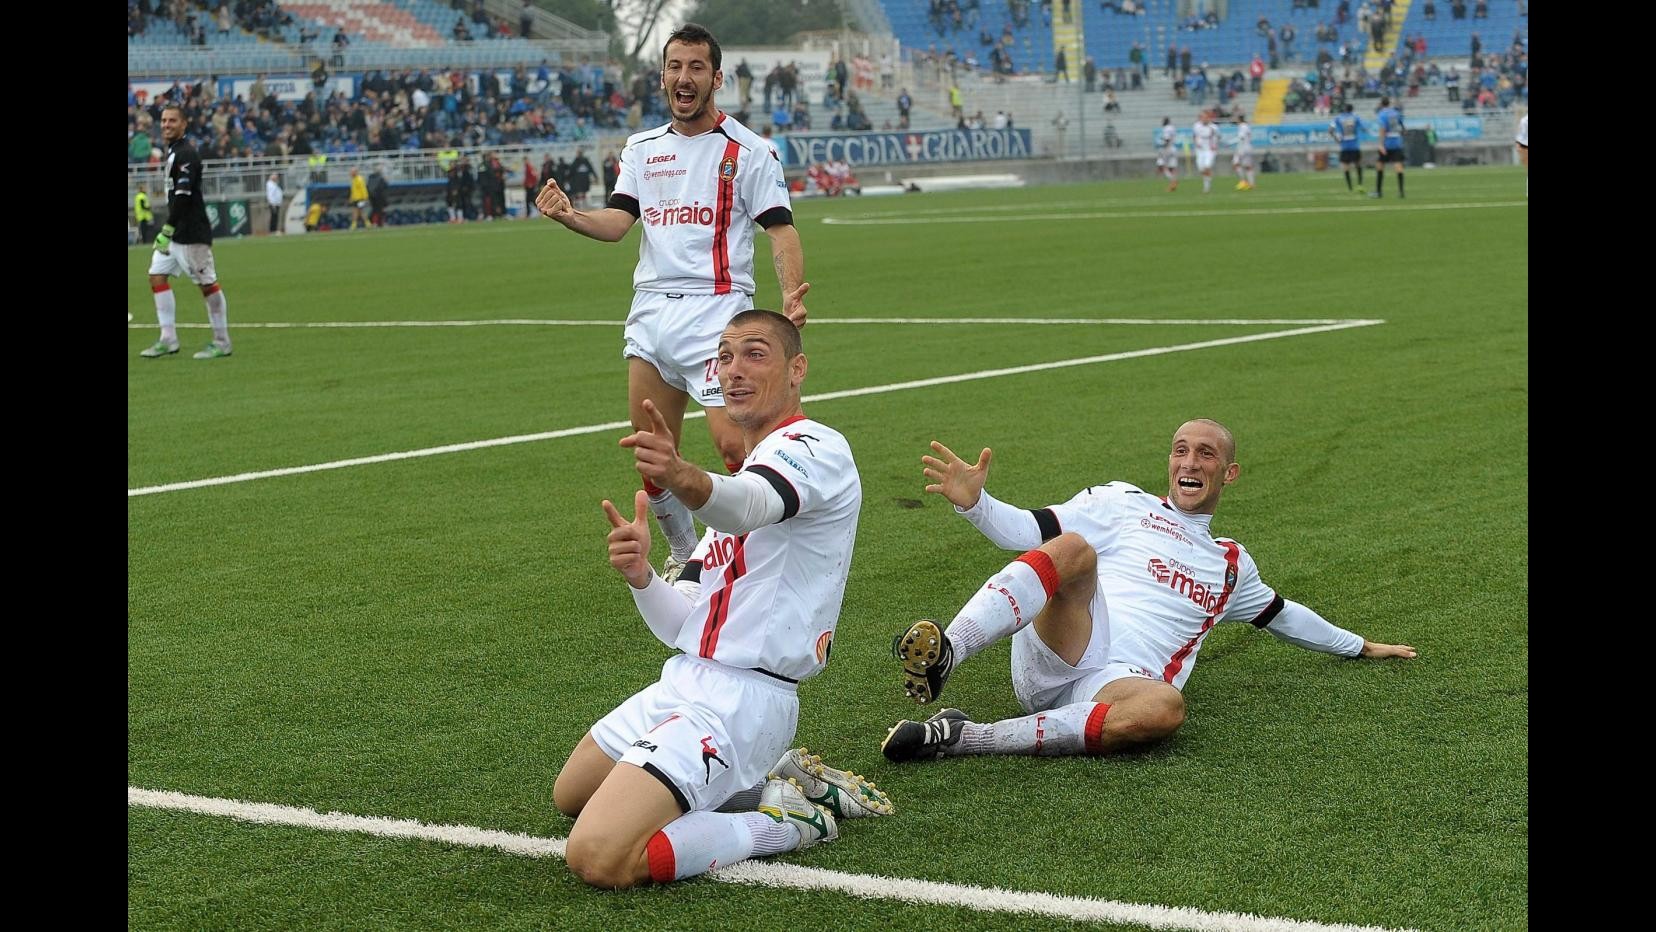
598, 862
581, 854
569, 801
1073, 558
1171, 720
1162, 716
731, 449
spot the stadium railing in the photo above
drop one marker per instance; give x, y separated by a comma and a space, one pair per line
245, 178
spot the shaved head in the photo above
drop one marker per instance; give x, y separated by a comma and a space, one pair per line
1201, 464
1225, 435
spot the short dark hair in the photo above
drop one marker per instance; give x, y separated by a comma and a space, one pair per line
1385, 101
694, 34
780, 326
175, 106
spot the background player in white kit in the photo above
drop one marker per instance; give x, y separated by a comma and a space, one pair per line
1206, 142
1167, 154
699, 183
1242, 161
1109, 607
1522, 139
644, 781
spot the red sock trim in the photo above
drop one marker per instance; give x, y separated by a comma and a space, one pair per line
210, 289
733, 468
1038, 561
651, 488
1094, 732
160, 288
659, 852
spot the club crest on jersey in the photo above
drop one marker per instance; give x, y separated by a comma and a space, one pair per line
727, 168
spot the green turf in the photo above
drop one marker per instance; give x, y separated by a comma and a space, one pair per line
429, 638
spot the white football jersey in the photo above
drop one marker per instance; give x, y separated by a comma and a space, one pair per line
1523, 131
698, 198
1207, 136
1167, 137
1244, 138
1165, 579
770, 599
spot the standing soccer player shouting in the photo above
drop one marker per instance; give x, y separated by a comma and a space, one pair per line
699, 183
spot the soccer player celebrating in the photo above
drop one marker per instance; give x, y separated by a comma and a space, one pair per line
644, 782
185, 246
699, 183
1207, 148
1107, 609
1345, 128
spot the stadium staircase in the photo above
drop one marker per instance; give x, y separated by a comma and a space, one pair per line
1375, 58
1272, 102
1067, 36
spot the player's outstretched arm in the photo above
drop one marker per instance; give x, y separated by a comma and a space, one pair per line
962, 484
788, 256
656, 456
953, 478
1377, 651
608, 224
629, 541
663, 608
1302, 627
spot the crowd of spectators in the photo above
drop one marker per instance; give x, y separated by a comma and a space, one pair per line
201, 21
406, 109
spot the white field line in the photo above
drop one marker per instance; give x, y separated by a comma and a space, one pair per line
825, 396
474, 229
815, 322
1254, 197
1137, 214
769, 874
